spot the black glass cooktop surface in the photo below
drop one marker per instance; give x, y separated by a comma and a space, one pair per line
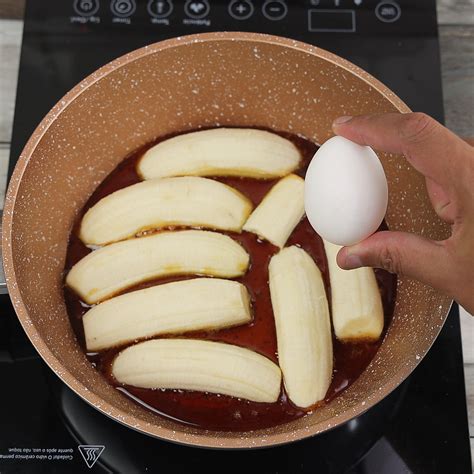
45, 428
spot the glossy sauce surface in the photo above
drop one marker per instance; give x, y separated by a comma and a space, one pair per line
211, 411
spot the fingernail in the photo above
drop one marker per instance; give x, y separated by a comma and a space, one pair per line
343, 119
352, 261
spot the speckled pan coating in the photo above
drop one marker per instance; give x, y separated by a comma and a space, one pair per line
185, 83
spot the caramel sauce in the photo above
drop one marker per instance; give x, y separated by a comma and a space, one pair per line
220, 412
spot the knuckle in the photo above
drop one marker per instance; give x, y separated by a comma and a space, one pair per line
416, 128
390, 260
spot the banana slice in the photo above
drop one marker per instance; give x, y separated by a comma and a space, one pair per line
303, 327
188, 201
279, 212
180, 306
356, 304
221, 152
109, 270
204, 366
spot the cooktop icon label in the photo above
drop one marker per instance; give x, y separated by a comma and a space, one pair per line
86, 7
160, 8
240, 10
91, 453
197, 8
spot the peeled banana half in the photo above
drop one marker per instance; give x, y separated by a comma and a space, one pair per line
221, 152
279, 212
356, 303
107, 271
303, 326
177, 307
185, 201
205, 366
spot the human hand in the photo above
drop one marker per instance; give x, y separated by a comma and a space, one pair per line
447, 163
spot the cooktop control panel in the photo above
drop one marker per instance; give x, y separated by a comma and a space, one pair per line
395, 40
274, 16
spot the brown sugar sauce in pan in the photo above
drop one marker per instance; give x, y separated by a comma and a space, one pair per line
220, 412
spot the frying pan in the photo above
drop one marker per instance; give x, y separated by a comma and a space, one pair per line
189, 82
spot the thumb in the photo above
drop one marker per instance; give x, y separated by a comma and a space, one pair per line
402, 253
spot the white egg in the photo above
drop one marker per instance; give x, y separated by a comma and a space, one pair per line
346, 192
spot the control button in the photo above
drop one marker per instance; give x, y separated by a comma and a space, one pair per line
197, 8
357, 2
160, 8
388, 12
241, 9
274, 9
86, 7
123, 8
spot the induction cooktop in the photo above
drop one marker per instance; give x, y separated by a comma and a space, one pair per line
45, 428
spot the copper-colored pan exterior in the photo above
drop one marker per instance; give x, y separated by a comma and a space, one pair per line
203, 80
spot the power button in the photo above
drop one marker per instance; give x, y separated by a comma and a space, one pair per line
86, 7
388, 11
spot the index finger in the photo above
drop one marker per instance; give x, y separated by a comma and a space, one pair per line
432, 149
